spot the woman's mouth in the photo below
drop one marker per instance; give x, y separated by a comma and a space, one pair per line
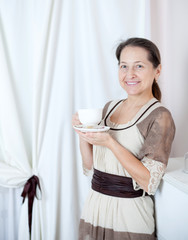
131, 83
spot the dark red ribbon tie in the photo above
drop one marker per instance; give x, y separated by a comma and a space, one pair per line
30, 191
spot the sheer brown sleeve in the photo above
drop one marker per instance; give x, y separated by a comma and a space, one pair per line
158, 130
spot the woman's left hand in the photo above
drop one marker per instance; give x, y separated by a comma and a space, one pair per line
96, 138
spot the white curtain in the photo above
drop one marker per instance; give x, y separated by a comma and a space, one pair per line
55, 56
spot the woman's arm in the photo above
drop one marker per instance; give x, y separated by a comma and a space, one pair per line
133, 166
86, 151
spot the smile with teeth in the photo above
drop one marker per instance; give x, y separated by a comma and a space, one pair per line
132, 82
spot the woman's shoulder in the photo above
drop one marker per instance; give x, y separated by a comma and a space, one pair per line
154, 109
110, 105
113, 102
161, 112
159, 118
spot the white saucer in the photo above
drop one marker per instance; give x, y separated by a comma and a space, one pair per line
96, 128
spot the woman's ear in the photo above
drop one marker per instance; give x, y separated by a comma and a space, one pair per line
158, 72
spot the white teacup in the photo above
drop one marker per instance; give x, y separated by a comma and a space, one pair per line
90, 116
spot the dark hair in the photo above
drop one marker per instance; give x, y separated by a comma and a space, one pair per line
153, 56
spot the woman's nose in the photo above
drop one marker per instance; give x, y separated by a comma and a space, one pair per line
131, 73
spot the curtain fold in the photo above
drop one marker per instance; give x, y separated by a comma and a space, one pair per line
15, 156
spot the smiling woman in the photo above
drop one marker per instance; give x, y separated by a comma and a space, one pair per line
139, 66
130, 159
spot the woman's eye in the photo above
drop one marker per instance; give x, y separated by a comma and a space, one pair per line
139, 66
123, 66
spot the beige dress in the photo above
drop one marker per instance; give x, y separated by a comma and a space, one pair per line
148, 136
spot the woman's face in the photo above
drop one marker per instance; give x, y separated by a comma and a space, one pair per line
136, 72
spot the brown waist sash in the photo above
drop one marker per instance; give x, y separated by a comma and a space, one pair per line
114, 185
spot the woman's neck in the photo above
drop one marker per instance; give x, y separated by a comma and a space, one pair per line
134, 101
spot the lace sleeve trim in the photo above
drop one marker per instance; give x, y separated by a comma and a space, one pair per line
157, 170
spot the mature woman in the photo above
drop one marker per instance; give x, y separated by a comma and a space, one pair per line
130, 159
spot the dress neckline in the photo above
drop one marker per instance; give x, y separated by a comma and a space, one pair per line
138, 115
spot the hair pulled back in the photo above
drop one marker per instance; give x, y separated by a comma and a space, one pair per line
153, 56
